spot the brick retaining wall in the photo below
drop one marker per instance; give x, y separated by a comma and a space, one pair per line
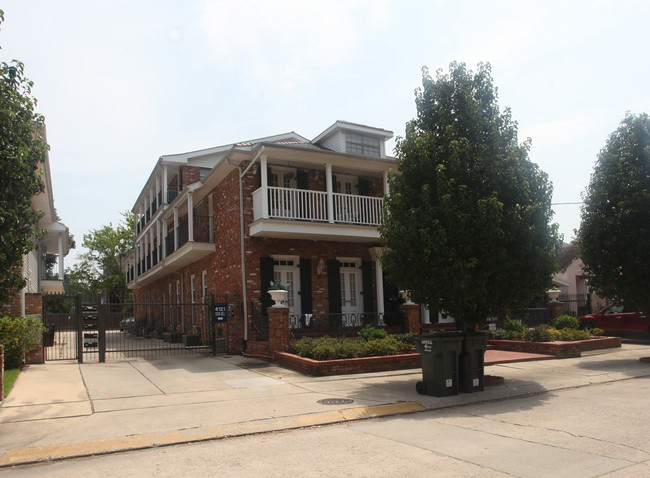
559, 349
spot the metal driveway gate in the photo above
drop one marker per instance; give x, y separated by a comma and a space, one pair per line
91, 332
61, 317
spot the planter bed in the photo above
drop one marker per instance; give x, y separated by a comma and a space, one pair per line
559, 349
347, 366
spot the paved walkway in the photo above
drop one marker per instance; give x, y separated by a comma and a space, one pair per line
63, 409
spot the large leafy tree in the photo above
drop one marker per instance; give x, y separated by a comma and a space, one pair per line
468, 218
21, 152
614, 234
101, 268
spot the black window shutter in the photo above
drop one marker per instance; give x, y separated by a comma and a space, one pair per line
266, 277
334, 286
363, 186
334, 187
366, 274
305, 286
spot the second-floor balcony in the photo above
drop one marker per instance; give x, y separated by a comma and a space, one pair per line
191, 240
289, 212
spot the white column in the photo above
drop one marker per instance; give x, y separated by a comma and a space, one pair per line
385, 183
157, 191
375, 254
158, 241
164, 234
330, 191
190, 217
175, 228
164, 184
265, 185
61, 268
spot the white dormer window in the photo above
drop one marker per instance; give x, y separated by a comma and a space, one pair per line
361, 144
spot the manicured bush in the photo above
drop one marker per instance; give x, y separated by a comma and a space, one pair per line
565, 322
370, 333
597, 332
19, 335
573, 334
408, 338
514, 325
328, 348
543, 333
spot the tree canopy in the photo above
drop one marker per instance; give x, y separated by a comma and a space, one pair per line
614, 234
101, 269
467, 224
22, 150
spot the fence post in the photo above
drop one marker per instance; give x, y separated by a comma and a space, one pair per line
213, 332
102, 312
80, 330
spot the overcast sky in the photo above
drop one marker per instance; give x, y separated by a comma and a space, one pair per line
122, 82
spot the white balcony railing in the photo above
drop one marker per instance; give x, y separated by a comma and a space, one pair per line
300, 204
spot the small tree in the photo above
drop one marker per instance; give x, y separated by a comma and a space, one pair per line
467, 224
614, 234
100, 269
21, 152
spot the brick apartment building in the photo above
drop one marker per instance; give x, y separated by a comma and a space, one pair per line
233, 218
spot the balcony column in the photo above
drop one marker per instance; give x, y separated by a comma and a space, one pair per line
151, 196
385, 183
61, 257
190, 216
330, 193
375, 254
175, 228
165, 234
164, 184
265, 184
160, 254
151, 245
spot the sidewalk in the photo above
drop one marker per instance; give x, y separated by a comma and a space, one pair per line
63, 410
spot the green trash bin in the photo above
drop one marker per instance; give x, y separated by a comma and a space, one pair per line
471, 362
439, 353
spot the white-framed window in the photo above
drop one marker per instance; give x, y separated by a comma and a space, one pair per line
282, 177
361, 144
204, 284
171, 307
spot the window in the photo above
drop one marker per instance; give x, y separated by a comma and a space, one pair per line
360, 144
204, 283
179, 313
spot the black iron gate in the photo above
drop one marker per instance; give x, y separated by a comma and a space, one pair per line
91, 332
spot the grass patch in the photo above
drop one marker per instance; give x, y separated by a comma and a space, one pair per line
10, 377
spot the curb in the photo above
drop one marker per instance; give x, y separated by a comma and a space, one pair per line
28, 456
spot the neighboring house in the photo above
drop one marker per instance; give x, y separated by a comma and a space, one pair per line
43, 267
576, 294
233, 218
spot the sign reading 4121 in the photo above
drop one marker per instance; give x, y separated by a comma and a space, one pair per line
220, 315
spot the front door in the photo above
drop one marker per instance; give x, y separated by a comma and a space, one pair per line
287, 271
351, 303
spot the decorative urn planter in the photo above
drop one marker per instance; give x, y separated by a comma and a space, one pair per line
279, 296
553, 294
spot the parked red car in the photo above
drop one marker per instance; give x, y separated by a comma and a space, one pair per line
616, 318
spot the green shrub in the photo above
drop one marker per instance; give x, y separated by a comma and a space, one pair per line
370, 333
543, 333
19, 335
573, 334
565, 322
597, 332
303, 347
328, 348
408, 338
514, 325
325, 349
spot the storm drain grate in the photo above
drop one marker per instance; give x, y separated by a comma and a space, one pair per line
335, 401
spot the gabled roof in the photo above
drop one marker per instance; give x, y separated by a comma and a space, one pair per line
567, 255
356, 127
